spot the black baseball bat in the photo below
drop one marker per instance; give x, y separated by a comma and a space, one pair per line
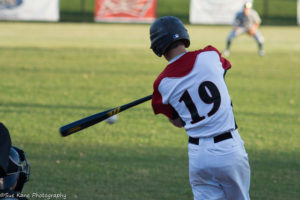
98, 117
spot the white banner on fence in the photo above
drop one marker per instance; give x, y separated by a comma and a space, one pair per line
29, 10
298, 12
214, 11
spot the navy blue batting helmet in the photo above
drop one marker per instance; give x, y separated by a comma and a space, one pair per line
166, 30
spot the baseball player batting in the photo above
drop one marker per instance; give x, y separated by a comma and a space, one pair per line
192, 93
246, 21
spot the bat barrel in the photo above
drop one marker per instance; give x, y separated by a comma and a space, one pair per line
98, 117
83, 123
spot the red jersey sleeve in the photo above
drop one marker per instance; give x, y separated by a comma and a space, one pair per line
225, 63
157, 104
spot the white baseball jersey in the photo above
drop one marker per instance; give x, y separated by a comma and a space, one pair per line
193, 88
247, 21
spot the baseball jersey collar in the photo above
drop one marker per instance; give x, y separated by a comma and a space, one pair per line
176, 58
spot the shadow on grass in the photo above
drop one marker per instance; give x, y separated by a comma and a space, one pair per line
99, 171
141, 171
49, 106
274, 175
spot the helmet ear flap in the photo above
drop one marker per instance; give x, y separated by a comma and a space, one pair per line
156, 51
160, 46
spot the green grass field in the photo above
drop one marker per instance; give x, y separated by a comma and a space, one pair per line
52, 74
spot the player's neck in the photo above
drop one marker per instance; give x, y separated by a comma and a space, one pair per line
174, 52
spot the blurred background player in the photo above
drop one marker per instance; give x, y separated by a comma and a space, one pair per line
16, 170
192, 93
246, 21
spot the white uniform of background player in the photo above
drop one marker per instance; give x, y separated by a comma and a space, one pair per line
191, 92
246, 21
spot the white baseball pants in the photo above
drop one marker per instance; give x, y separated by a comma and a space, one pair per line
219, 171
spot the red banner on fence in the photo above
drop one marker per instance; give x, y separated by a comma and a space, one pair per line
125, 10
